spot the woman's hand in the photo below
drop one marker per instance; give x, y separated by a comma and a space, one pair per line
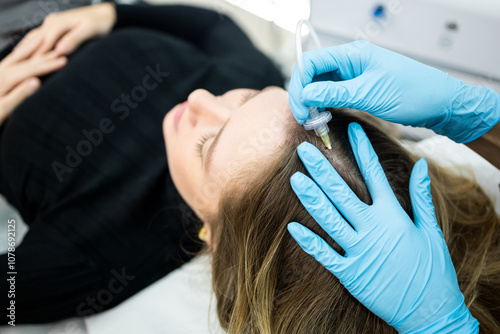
19, 71
66, 31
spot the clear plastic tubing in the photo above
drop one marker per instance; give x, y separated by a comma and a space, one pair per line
317, 120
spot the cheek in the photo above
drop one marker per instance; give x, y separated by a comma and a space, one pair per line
188, 177
180, 171
177, 159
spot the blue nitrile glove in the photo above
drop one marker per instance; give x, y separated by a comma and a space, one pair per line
395, 88
400, 270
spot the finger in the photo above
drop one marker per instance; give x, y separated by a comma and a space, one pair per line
346, 60
313, 245
322, 210
332, 184
36, 66
421, 199
22, 52
335, 94
17, 95
70, 41
33, 33
368, 163
52, 31
49, 41
299, 110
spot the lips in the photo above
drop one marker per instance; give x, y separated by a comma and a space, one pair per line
178, 115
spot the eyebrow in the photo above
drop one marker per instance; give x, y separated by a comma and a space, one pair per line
216, 140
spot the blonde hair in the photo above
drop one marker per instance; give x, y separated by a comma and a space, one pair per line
264, 282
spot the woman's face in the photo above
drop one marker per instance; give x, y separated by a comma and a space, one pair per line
210, 139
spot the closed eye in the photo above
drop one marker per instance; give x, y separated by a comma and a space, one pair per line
203, 139
248, 95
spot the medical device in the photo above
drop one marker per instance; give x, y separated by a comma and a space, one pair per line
318, 119
460, 37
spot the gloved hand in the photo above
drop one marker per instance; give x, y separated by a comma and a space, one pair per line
395, 88
400, 270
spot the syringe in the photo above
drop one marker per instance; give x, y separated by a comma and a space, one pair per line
318, 120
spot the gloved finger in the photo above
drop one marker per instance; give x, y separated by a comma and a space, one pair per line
335, 94
313, 245
17, 95
322, 210
368, 163
299, 110
347, 60
421, 199
332, 184
71, 40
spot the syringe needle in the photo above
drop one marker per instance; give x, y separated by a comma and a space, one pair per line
326, 141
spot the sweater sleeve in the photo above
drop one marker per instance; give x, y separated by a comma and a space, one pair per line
212, 32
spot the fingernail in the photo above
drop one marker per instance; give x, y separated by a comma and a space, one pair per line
61, 49
354, 130
359, 138
302, 146
425, 164
299, 233
304, 150
296, 178
33, 83
424, 167
311, 155
355, 126
294, 229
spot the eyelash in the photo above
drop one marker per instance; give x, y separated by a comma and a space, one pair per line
247, 95
199, 146
203, 139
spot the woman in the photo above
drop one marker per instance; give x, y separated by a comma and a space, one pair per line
83, 159
263, 281
221, 148
239, 186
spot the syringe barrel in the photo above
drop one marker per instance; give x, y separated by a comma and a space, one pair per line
322, 130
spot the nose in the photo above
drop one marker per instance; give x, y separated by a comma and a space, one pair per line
203, 107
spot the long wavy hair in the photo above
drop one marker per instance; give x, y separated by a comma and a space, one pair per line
264, 282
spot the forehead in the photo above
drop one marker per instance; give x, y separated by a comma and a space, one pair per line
253, 133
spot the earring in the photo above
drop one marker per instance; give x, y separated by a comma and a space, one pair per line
202, 235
